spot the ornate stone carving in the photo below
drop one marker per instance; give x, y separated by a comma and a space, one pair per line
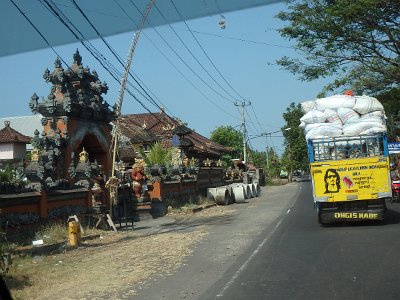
35, 155
207, 162
33, 104
75, 94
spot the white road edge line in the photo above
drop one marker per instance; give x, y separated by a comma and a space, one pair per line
240, 270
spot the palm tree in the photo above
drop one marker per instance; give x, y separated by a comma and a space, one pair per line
157, 156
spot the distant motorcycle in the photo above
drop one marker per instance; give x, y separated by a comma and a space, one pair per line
395, 189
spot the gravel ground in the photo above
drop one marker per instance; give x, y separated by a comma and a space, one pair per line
101, 267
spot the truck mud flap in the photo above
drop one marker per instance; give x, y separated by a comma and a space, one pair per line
346, 216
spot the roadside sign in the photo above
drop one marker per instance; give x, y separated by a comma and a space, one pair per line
394, 148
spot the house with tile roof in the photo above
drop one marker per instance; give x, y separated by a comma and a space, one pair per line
12, 143
146, 128
25, 125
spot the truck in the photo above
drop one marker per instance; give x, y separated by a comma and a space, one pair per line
350, 177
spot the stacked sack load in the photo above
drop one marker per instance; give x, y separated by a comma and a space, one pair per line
342, 115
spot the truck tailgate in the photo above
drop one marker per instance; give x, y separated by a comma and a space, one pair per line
351, 179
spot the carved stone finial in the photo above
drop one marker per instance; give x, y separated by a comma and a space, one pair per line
46, 75
57, 63
207, 162
33, 104
35, 154
95, 75
77, 58
7, 123
83, 156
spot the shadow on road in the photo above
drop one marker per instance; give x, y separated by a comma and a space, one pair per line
392, 216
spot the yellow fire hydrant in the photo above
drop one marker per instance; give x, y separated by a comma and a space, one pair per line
74, 233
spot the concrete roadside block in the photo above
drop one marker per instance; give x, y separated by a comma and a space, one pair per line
239, 193
231, 194
249, 191
257, 189
222, 196
211, 193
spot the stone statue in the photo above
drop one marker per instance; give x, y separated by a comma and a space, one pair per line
139, 179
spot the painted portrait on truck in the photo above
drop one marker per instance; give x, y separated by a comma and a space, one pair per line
332, 181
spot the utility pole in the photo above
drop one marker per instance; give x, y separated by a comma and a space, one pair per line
243, 104
266, 152
113, 182
266, 147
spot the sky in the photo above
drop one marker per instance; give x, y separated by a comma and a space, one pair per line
239, 65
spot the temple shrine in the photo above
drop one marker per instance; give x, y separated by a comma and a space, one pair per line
76, 118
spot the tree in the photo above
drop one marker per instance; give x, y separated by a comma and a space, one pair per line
391, 103
358, 41
274, 163
258, 159
230, 137
295, 155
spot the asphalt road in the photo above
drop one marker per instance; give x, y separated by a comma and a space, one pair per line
273, 248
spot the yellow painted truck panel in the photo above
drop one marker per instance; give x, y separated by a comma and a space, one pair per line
351, 179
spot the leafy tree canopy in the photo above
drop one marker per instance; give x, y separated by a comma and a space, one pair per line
358, 41
230, 137
295, 156
391, 103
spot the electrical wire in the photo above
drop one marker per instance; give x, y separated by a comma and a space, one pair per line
196, 59
184, 62
258, 122
239, 39
251, 122
116, 55
205, 53
54, 9
38, 31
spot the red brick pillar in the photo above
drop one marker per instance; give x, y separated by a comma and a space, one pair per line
89, 202
43, 205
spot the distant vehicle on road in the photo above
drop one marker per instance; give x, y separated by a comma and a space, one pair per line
283, 174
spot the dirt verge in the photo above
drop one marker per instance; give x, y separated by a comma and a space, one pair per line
101, 267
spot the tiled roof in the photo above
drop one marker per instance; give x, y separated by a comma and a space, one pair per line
9, 135
26, 125
134, 132
147, 126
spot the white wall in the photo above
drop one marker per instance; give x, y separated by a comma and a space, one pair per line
12, 151
6, 151
19, 151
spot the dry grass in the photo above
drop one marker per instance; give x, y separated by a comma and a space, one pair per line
113, 267
102, 267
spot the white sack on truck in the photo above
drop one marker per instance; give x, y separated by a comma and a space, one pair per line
339, 115
377, 113
348, 115
321, 130
334, 102
366, 104
307, 106
313, 116
373, 130
354, 129
332, 116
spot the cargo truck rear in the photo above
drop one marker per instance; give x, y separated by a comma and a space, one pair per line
350, 177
